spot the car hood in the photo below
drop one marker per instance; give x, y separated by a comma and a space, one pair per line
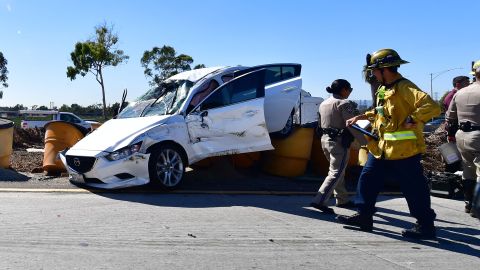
117, 133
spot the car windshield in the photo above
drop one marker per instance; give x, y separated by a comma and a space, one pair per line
164, 99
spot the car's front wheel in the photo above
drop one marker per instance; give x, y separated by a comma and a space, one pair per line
287, 129
166, 166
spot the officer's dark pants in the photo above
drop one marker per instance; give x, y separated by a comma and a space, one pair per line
409, 173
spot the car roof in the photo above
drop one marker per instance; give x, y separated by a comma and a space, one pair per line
195, 74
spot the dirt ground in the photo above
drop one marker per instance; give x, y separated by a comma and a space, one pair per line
23, 161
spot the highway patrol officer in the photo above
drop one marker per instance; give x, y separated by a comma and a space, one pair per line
463, 118
398, 119
336, 140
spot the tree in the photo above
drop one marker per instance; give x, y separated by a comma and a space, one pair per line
95, 54
64, 108
442, 99
19, 107
3, 73
199, 66
161, 63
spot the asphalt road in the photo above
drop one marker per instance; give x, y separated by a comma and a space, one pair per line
72, 230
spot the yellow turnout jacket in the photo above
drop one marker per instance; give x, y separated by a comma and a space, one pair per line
396, 103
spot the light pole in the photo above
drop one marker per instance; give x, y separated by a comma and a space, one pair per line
436, 75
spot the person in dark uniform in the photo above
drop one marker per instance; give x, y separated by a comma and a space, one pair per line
336, 140
463, 118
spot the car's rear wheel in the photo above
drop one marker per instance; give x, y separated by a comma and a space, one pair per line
166, 166
287, 129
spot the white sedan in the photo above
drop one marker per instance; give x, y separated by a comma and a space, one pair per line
191, 116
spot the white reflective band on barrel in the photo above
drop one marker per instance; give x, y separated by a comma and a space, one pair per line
399, 136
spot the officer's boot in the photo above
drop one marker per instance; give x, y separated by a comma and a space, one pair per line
424, 231
468, 187
364, 222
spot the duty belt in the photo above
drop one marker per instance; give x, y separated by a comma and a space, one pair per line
332, 132
467, 127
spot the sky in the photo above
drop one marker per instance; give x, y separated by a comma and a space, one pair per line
329, 38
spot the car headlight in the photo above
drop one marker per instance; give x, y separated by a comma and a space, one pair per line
124, 152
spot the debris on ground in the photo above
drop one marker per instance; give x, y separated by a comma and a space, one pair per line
23, 161
443, 182
24, 138
432, 160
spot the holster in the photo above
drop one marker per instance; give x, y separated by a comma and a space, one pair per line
346, 138
451, 129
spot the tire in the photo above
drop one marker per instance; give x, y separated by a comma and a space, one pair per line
287, 129
166, 166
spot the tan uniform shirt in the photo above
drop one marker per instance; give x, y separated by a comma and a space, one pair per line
465, 105
334, 111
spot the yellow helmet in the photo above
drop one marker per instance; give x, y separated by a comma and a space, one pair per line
475, 66
384, 58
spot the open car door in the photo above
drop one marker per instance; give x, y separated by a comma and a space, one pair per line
283, 85
231, 119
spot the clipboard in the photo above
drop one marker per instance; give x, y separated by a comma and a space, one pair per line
365, 132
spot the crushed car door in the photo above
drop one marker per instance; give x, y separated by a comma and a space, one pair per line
231, 119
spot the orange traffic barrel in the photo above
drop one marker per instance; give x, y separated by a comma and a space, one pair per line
59, 135
6, 142
354, 154
291, 155
320, 164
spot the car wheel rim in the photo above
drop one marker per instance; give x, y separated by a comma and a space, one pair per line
169, 167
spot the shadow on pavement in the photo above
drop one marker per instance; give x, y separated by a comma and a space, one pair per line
222, 179
460, 240
455, 239
7, 175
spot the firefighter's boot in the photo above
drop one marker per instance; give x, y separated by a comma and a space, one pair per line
427, 231
364, 222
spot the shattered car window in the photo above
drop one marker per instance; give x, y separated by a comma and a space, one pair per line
165, 99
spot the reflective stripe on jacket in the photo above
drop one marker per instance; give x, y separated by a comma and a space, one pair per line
401, 100
400, 135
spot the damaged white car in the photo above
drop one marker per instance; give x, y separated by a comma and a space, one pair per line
191, 116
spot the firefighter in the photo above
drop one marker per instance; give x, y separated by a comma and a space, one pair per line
398, 119
336, 140
463, 118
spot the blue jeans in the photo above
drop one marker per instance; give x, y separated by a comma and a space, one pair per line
409, 173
